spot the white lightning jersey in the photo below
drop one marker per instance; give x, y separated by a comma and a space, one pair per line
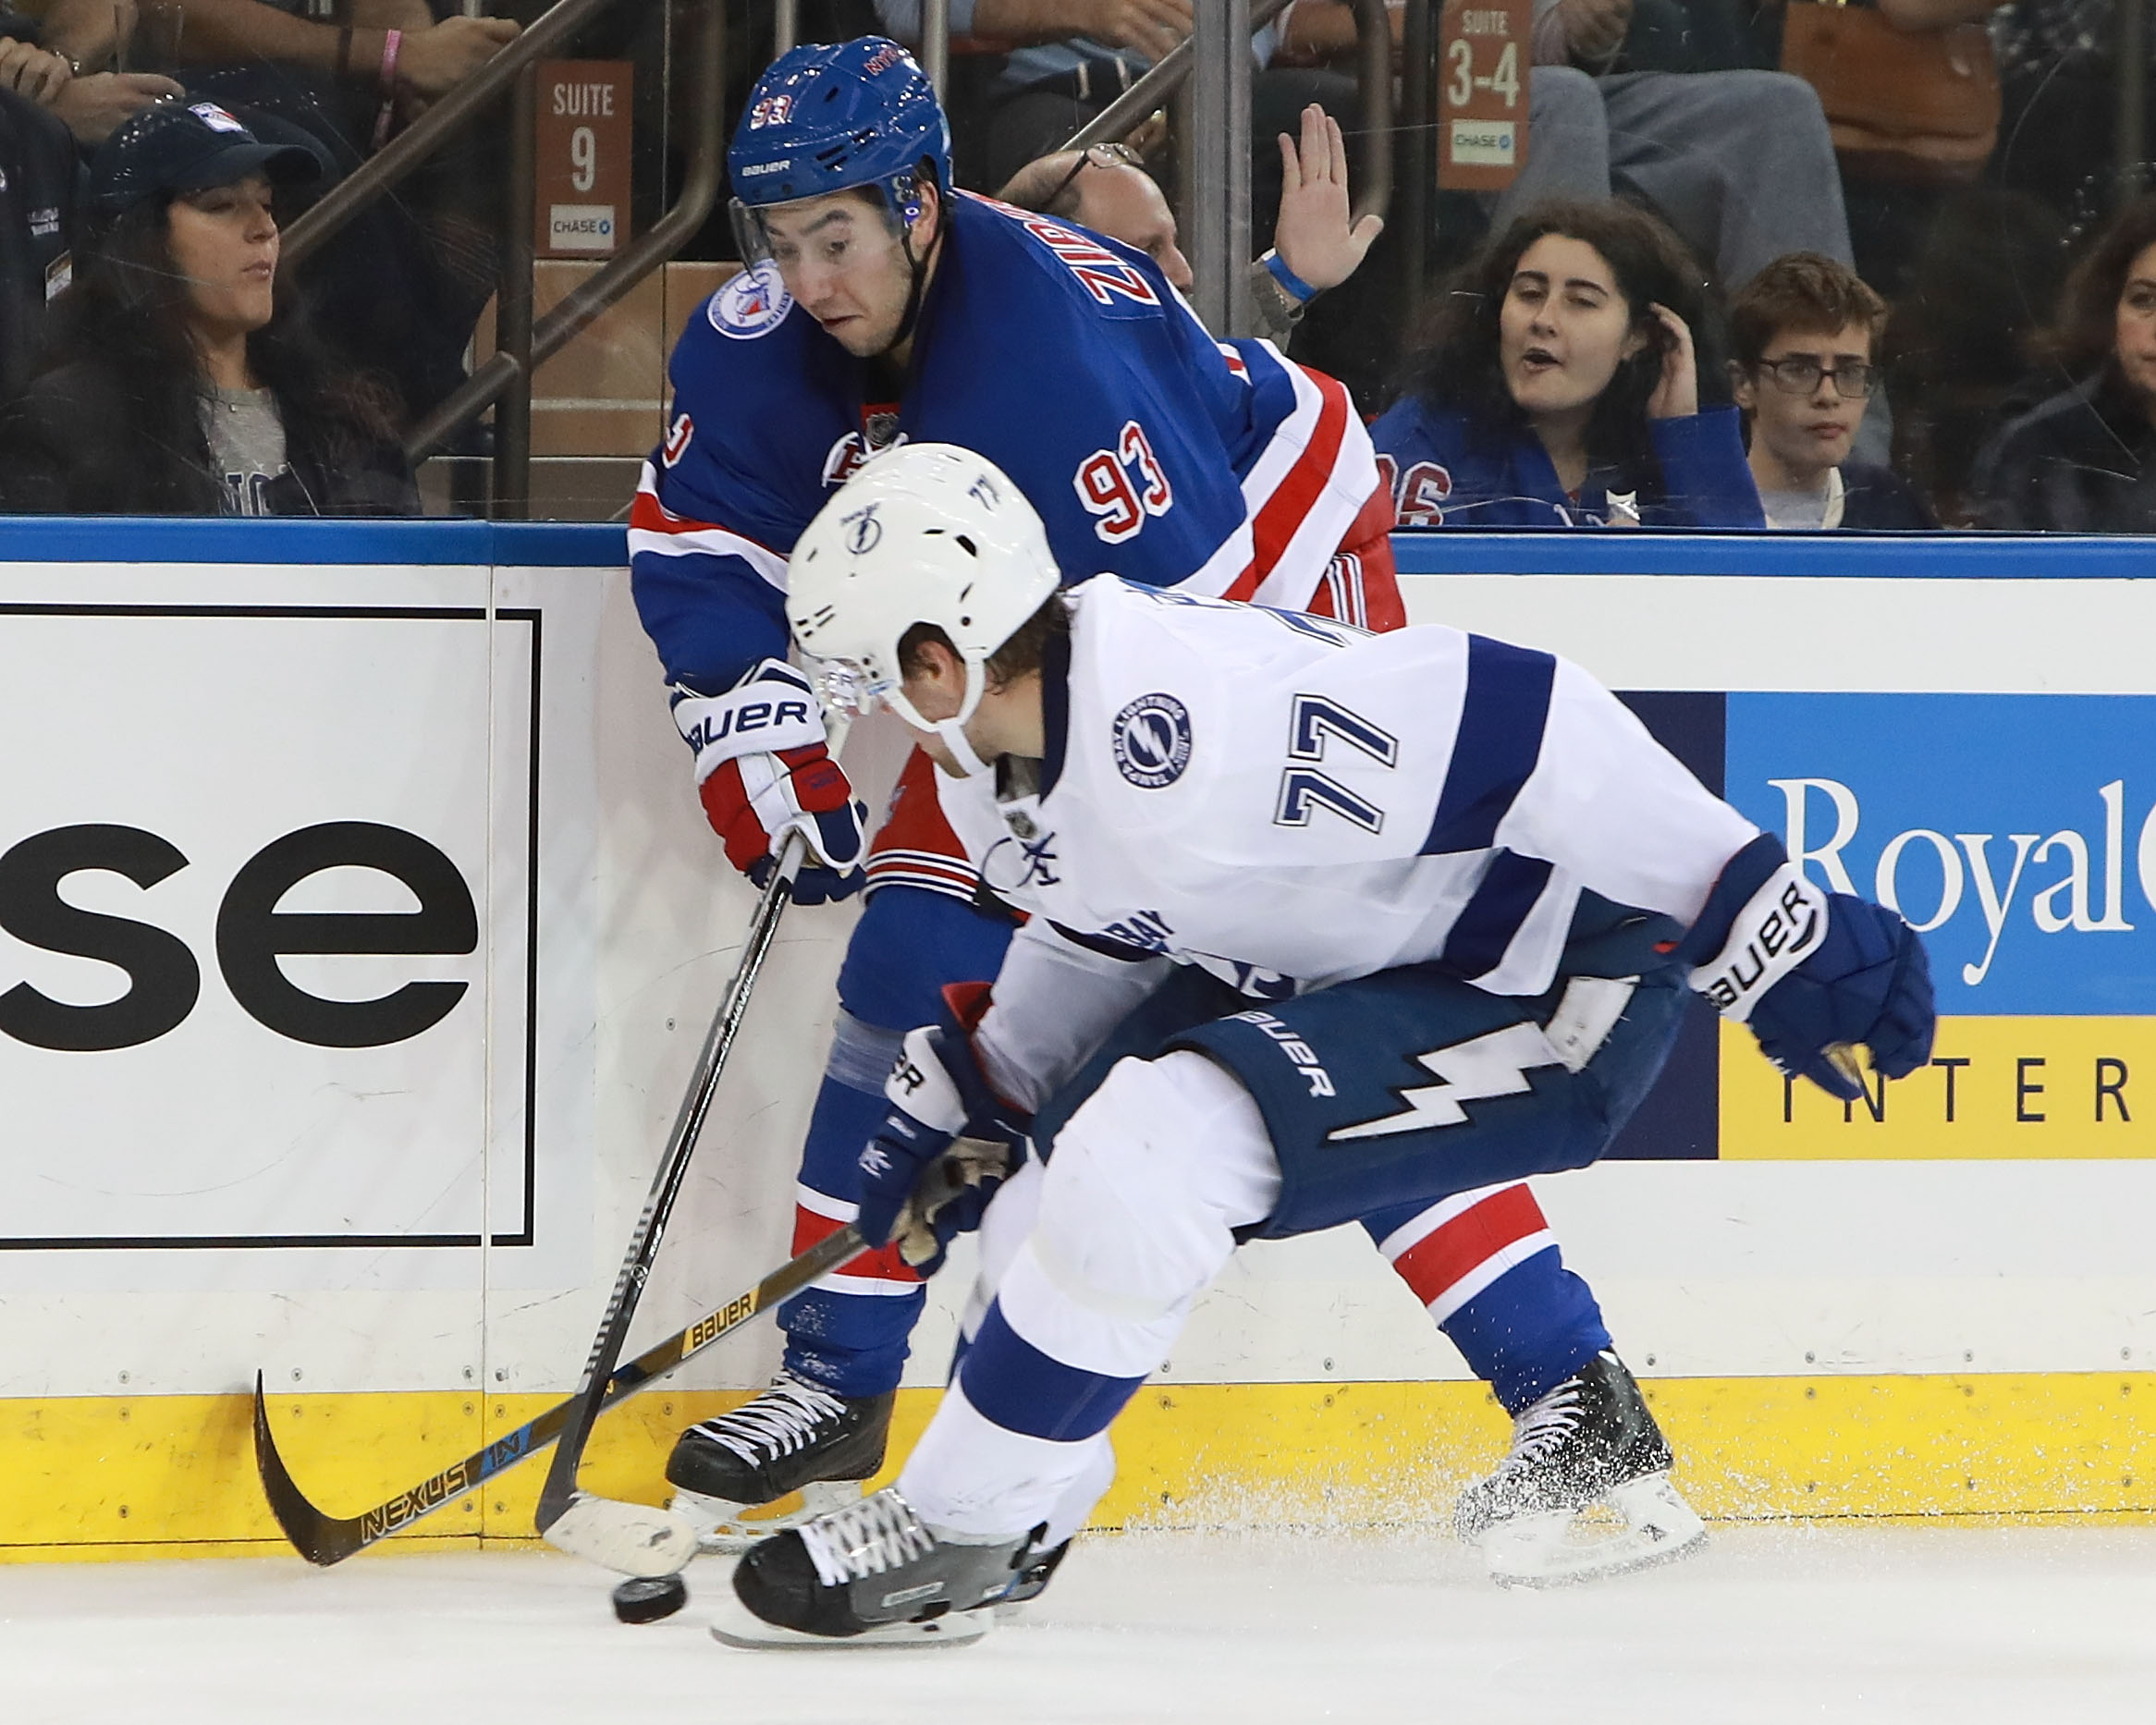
1291, 803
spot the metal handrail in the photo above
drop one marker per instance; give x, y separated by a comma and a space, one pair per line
1374, 82
452, 114
1418, 60
585, 301
936, 45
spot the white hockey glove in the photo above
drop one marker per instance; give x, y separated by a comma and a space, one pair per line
764, 769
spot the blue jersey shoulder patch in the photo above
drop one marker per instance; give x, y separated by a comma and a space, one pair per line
753, 303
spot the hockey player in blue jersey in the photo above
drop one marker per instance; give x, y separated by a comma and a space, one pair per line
1327, 922
881, 305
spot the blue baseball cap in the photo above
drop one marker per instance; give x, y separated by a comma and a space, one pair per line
179, 147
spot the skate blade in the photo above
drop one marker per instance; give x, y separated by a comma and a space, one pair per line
633, 1538
734, 1624
1554, 1550
724, 1529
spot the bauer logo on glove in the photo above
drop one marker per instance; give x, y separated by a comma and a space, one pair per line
1811, 973
948, 1142
764, 769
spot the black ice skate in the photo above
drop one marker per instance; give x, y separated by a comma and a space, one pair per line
794, 1436
1589, 1444
871, 1575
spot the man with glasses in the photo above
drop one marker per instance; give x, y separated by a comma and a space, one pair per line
1805, 331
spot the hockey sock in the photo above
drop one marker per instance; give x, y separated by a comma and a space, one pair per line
849, 1333
1488, 1271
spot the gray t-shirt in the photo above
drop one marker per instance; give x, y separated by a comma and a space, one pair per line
247, 442
1805, 511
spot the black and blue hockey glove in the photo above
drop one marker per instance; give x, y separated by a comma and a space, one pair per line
1812, 973
942, 1112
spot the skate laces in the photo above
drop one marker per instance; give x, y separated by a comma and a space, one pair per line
865, 1538
778, 1421
1545, 1424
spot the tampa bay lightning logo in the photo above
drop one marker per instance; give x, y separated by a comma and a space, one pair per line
1152, 741
863, 531
753, 303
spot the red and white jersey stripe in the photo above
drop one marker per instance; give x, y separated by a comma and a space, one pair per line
657, 531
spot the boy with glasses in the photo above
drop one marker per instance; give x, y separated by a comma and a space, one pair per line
1805, 332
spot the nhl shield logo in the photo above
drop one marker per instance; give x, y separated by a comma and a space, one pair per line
1152, 741
752, 304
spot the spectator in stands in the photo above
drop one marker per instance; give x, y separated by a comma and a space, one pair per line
1805, 333
53, 99
180, 381
399, 288
1740, 161
1316, 244
37, 201
395, 65
57, 62
1563, 387
1067, 60
2085, 461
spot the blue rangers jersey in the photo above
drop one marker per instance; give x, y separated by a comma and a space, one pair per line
1150, 450
1290, 804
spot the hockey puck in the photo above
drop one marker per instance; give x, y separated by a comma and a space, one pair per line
647, 1598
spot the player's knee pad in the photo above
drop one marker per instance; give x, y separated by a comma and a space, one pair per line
1149, 1183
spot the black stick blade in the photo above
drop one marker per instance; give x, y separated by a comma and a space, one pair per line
322, 1539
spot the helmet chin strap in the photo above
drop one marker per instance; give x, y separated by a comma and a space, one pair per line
951, 731
919, 266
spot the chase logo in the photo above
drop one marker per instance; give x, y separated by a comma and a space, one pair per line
1152, 741
753, 303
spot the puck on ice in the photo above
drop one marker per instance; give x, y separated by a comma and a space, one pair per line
647, 1598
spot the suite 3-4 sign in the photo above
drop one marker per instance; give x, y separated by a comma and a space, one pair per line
1484, 54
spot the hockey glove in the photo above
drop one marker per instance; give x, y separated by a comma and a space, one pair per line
763, 770
942, 1112
1812, 973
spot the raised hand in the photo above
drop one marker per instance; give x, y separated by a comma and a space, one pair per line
1676, 395
1313, 233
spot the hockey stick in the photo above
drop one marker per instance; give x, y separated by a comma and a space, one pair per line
324, 1539
560, 1491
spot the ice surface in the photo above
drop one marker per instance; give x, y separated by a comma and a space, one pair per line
1903, 1626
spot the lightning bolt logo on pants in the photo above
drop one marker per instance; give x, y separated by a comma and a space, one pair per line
1479, 1069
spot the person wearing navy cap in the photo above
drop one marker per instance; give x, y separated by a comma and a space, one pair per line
178, 380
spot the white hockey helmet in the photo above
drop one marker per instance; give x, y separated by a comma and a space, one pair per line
926, 533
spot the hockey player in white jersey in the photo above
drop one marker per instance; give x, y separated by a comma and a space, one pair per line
1258, 848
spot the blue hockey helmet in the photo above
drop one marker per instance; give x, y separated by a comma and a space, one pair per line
826, 116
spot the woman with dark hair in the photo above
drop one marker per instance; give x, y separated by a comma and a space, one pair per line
2084, 462
1561, 388
178, 380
